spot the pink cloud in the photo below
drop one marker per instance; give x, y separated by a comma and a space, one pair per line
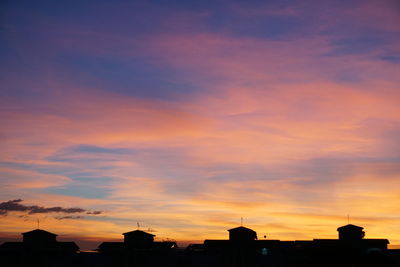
16, 178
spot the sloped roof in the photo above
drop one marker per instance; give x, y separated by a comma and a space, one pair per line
241, 229
138, 232
349, 227
38, 232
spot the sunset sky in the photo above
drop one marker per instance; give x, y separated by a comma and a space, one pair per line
185, 116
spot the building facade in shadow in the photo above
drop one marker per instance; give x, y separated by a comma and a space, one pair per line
243, 249
139, 249
38, 248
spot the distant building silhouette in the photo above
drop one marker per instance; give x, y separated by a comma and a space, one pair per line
242, 234
38, 248
139, 249
38, 237
138, 239
243, 249
351, 232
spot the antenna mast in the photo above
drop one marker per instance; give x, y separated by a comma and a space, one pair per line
38, 223
241, 221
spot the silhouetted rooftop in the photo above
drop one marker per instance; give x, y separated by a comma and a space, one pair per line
38, 236
241, 229
350, 227
38, 232
138, 232
242, 234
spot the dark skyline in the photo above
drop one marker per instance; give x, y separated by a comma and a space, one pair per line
241, 249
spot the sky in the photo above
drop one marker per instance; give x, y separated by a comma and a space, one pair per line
183, 117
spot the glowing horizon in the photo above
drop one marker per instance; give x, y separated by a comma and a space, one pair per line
186, 117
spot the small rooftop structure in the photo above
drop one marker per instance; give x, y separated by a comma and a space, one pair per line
38, 236
351, 232
138, 238
39, 240
242, 234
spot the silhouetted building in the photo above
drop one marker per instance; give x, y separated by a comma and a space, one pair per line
350, 249
139, 249
243, 249
38, 236
351, 232
138, 239
38, 248
242, 234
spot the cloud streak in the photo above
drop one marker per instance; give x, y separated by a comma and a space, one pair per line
16, 206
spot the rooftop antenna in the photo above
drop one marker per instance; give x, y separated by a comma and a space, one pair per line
138, 225
38, 223
241, 221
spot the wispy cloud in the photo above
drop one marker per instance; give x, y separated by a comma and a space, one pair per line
69, 217
16, 206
